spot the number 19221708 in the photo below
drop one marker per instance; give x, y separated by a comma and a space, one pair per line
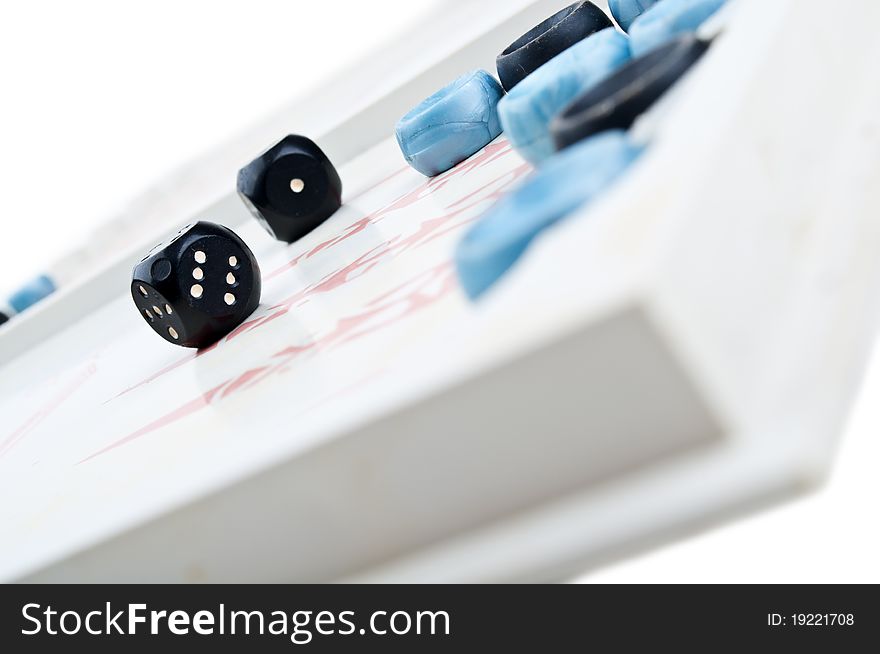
811, 620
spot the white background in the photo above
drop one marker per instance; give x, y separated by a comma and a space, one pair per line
831, 536
101, 98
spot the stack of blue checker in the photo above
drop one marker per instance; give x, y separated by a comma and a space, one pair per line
464, 117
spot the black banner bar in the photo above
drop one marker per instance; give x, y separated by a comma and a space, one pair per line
433, 618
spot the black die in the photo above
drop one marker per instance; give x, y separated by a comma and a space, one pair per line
291, 188
198, 287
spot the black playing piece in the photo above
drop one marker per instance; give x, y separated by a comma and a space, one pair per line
548, 39
616, 102
198, 287
291, 188
3, 317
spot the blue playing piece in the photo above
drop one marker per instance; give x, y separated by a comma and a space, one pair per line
452, 124
527, 110
566, 182
667, 20
626, 11
31, 293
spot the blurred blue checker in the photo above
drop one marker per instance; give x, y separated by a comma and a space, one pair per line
567, 181
34, 291
527, 110
451, 125
626, 11
667, 20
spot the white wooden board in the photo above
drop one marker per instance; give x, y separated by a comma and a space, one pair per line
681, 350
